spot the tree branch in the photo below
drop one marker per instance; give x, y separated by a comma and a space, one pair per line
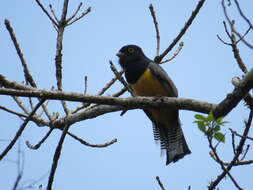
21, 129
236, 156
159, 58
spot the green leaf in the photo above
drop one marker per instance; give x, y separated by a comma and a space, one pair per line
219, 119
200, 117
216, 128
202, 128
223, 122
219, 137
210, 117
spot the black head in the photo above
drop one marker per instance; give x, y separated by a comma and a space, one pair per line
129, 54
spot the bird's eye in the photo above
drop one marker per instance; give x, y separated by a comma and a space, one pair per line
130, 50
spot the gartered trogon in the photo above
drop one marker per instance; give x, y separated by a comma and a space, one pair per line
147, 78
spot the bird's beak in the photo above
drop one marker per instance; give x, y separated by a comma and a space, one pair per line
120, 54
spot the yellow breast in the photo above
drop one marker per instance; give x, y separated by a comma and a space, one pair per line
148, 85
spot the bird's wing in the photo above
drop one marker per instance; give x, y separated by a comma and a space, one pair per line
163, 78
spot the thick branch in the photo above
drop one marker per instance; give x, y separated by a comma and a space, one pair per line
236, 96
129, 103
221, 109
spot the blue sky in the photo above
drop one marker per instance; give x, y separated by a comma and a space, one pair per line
203, 70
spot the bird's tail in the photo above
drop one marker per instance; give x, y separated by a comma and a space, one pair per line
172, 139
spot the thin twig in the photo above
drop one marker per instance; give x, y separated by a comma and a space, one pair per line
27, 74
241, 38
53, 13
233, 40
21, 104
12, 111
160, 183
35, 147
159, 58
92, 145
233, 143
20, 167
101, 92
57, 155
120, 78
31, 103
245, 152
236, 156
215, 156
233, 29
152, 11
222, 40
45, 11
242, 14
180, 47
109, 84
21, 129
81, 16
35, 119
240, 163
75, 13
237, 134
85, 85
119, 93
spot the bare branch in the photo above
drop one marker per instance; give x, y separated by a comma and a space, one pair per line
159, 58
58, 56
21, 129
160, 183
27, 74
81, 16
85, 85
180, 47
45, 11
215, 156
77, 10
129, 103
34, 118
109, 84
57, 155
236, 156
222, 40
21, 104
35, 147
53, 13
120, 78
101, 92
12, 111
233, 39
237, 134
152, 11
119, 93
242, 14
233, 99
106, 144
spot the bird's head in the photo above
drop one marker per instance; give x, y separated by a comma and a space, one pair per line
129, 54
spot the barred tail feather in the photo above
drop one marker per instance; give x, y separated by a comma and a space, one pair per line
172, 140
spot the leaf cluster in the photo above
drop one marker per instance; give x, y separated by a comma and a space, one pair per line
211, 126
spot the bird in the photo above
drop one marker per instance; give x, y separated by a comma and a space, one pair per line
147, 78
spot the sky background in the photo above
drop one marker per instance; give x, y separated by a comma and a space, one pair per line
203, 70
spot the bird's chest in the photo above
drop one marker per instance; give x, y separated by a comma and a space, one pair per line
148, 85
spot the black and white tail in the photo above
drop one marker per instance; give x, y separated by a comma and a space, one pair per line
171, 139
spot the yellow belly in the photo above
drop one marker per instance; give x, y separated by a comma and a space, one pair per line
148, 85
